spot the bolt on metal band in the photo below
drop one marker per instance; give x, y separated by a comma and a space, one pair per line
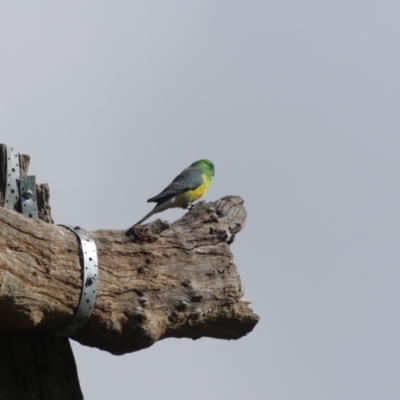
89, 283
27, 186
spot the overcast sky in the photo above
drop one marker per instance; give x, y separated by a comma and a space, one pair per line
298, 105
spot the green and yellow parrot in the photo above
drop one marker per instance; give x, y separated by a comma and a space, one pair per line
185, 189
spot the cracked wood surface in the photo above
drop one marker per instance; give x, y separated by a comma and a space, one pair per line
156, 281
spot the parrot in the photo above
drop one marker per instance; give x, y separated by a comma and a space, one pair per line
185, 189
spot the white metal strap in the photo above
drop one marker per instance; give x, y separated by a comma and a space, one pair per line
89, 283
11, 196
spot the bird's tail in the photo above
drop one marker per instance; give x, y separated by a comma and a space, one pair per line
153, 211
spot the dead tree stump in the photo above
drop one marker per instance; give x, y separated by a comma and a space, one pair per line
156, 281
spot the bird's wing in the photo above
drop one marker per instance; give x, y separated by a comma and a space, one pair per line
189, 179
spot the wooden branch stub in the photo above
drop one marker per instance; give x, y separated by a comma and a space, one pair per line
155, 281
43, 197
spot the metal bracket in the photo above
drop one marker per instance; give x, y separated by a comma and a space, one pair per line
89, 283
19, 188
27, 186
11, 195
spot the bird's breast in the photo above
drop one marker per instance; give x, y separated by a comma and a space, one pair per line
195, 194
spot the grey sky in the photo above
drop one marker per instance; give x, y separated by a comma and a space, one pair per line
297, 104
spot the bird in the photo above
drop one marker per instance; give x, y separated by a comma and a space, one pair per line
185, 189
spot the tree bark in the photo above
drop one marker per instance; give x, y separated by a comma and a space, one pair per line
37, 366
156, 281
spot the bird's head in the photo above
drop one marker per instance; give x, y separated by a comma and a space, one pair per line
205, 164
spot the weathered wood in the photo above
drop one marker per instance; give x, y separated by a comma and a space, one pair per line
155, 281
33, 365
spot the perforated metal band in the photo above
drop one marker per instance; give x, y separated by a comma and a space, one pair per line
89, 283
27, 186
12, 195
